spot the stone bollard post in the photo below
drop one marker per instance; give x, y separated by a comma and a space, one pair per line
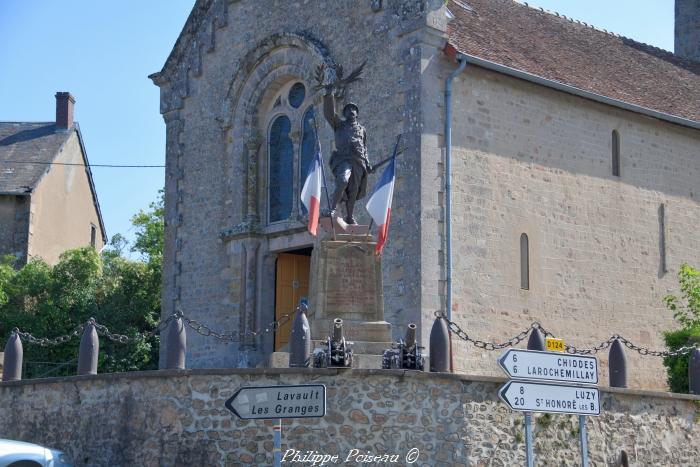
617, 365
12, 361
440, 347
694, 372
89, 349
300, 340
176, 345
536, 340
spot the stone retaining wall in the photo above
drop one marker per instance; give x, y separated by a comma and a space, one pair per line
172, 418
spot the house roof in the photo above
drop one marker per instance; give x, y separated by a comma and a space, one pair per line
27, 151
560, 49
35, 145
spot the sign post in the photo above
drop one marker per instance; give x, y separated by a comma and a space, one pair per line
584, 440
529, 453
553, 383
276, 403
277, 449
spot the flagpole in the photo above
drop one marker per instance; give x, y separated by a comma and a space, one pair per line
323, 173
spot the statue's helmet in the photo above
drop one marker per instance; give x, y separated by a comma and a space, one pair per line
350, 105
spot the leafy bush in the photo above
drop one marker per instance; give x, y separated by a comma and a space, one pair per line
686, 311
120, 293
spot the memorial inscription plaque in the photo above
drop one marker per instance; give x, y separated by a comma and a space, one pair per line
346, 283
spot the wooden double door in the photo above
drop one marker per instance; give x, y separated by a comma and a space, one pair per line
291, 285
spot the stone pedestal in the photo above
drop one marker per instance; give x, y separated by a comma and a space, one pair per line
346, 283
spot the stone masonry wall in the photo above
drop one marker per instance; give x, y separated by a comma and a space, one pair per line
532, 160
219, 252
687, 29
179, 419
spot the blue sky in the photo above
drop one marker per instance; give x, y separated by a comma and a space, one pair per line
103, 51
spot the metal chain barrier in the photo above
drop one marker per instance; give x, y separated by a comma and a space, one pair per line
234, 336
456, 329
46, 342
196, 326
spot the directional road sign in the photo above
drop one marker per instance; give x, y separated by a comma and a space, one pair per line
548, 366
553, 398
270, 402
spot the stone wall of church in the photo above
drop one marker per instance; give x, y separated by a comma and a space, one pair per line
603, 249
179, 418
220, 253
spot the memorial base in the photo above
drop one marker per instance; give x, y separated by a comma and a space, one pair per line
346, 283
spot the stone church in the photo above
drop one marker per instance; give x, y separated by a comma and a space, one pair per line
574, 156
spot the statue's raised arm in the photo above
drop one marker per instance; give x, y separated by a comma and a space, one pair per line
329, 111
349, 161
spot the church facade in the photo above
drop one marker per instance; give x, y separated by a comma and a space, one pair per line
575, 170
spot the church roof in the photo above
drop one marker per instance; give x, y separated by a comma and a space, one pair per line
560, 49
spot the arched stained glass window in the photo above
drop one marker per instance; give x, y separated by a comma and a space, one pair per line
280, 179
308, 148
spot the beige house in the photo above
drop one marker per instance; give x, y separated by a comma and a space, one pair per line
48, 202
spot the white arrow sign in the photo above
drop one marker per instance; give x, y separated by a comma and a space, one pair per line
269, 402
548, 366
540, 397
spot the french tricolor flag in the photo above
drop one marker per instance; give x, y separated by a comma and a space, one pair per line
311, 192
379, 204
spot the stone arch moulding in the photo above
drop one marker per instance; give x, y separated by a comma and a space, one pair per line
278, 58
260, 61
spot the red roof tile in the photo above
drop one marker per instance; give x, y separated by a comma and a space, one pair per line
559, 49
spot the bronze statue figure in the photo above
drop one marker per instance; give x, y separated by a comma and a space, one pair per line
349, 162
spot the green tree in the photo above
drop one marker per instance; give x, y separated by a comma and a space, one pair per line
150, 227
686, 311
120, 293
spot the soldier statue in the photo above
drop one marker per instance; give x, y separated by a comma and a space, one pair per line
349, 162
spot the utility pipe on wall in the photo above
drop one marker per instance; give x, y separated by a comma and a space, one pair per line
462, 60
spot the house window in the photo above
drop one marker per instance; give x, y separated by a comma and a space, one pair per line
615, 153
291, 145
93, 235
524, 262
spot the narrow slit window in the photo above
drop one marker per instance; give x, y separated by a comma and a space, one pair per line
524, 262
93, 235
615, 153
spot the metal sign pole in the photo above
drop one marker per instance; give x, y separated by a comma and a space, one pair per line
529, 454
584, 440
277, 450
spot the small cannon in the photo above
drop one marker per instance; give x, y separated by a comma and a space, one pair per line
336, 352
404, 354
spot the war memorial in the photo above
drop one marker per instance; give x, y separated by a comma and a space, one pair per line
397, 233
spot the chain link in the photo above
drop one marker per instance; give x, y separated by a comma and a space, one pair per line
454, 327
